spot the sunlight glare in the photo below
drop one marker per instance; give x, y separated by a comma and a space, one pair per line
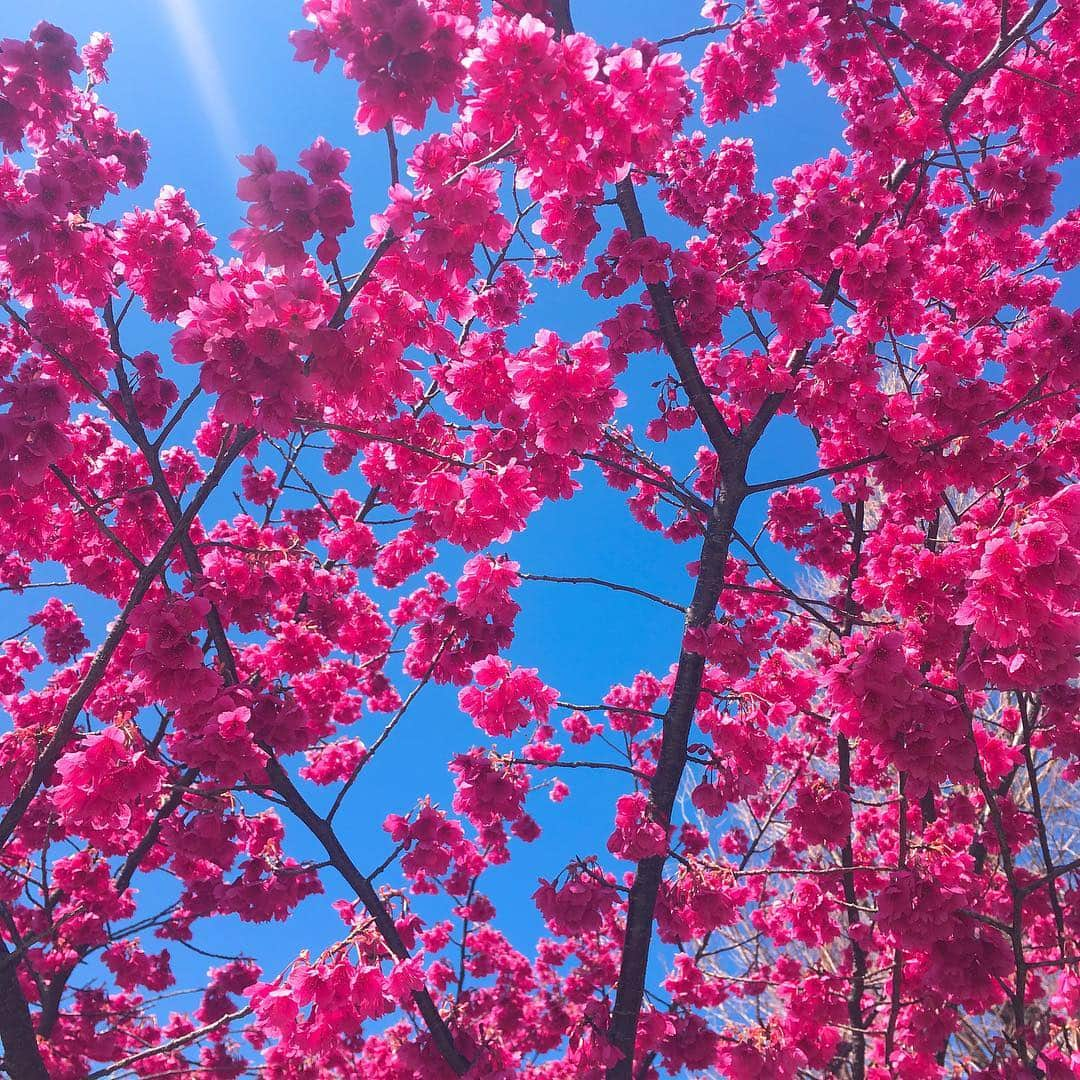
198, 49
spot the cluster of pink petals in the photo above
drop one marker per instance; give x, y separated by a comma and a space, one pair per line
288, 209
108, 789
843, 400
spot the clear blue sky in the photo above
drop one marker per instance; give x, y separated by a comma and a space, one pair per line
205, 81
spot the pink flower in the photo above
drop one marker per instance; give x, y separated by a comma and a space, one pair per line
430, 841
486, 790
64, 637
107, 791
917, 910
405, 56
568, 392
94, 54
169, 666
637, 836
32, 431
504, 698
821, 814
167, 255
581, 904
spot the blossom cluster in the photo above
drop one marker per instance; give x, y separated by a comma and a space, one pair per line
299, 545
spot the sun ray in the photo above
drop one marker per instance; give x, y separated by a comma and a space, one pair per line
210, 83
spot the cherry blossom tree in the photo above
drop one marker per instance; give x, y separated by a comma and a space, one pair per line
844, 842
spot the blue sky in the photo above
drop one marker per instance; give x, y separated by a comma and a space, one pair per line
206, 81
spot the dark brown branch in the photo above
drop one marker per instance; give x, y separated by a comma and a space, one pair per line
847, 855
366, 894
1052, 875
392, 150
606, 584
698, 31
601, 765
173, 1044
99, 524
669, 771
387, 731
370, 436
672, 336
22, 1057
815, 474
